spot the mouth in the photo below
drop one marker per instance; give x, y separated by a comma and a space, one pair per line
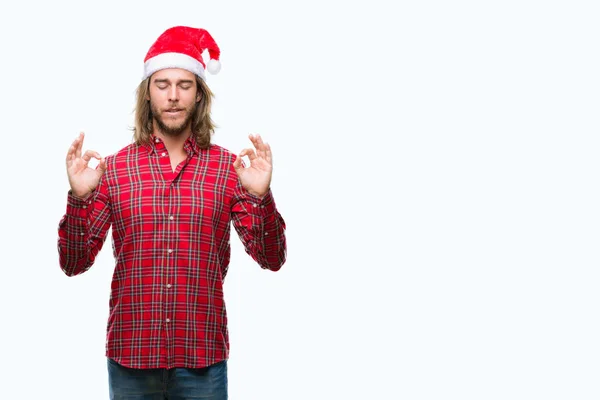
174, 110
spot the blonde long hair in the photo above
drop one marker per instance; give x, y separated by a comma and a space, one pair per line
202, 125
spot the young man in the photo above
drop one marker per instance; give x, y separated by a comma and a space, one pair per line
170, 198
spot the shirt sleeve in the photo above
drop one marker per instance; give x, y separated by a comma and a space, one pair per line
83, 229
260, 228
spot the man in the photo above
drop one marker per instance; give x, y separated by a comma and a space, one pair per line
170, 197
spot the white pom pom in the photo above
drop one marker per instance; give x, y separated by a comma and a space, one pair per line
214, 66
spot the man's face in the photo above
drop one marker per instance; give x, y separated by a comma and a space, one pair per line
173, 97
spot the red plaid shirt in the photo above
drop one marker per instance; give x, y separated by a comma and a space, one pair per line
170, 234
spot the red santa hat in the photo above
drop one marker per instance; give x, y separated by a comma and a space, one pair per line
182, 47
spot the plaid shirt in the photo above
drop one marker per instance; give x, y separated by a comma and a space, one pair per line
170, 234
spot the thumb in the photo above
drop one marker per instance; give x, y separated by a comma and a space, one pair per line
101, 167
238, 163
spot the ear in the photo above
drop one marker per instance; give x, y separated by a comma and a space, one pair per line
198, 97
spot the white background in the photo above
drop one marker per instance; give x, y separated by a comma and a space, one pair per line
436, 164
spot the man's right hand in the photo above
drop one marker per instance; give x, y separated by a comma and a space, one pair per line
83, 179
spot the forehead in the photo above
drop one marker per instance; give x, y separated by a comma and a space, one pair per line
174, 74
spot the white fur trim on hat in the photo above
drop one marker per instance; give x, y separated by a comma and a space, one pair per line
173, 60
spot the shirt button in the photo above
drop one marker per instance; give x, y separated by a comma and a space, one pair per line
168, 320
169, 251
156, 140
266, 233
171, 218
253, 204
163, 154
84, 206
168, 286
82, 233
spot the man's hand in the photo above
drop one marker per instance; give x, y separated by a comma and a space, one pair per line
83, 179
256, 179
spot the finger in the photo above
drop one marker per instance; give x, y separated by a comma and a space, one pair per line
253, 139
248, 152
260, 152
256, 140
102, 165
79, 145
70, 154
89, 154
260, 146
73, 148
238, 163
268, 154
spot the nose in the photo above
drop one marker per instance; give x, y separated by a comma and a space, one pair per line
174, 93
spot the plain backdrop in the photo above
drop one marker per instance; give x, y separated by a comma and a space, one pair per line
436, 164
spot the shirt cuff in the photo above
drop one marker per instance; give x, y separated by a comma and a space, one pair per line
78, 207
261, 206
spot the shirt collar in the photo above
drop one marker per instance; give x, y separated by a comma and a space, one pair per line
156, 144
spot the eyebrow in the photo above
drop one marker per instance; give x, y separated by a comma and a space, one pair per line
178, 82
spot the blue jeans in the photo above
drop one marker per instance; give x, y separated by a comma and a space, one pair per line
208, 383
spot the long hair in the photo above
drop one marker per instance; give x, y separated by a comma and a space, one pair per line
202, 125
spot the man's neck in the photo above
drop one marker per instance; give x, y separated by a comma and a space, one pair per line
174, 144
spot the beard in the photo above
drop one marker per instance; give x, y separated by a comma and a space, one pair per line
172, 127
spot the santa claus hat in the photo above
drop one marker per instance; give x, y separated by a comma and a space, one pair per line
182, 47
